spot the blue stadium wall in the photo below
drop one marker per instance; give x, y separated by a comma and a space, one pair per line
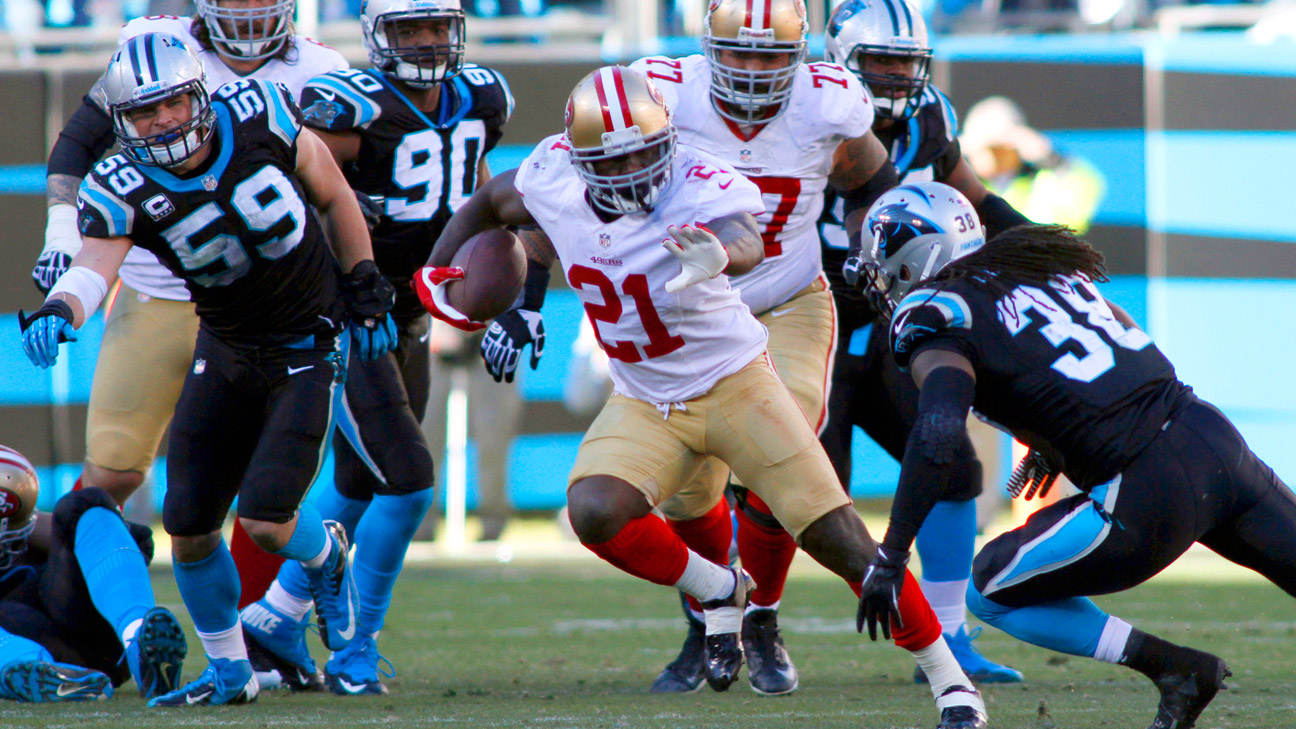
1193, 134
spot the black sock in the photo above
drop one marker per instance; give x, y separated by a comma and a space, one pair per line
1149, 654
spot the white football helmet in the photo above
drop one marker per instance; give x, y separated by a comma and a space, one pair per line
19, 491
248, 32
767, 27
622, 139
421, 66
145, 70
910, 234
893, 28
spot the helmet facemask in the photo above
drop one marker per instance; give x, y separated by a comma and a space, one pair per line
173, 146
420, 66
752, 97
14, 539
614, 191
896, 96
247, 33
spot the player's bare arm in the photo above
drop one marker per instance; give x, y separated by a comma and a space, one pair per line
343, 146
965, 180
1121, 315
332, 197
483, 173
861, 172
741, 238
929, 360
495, 205
61, 189
538, 246
103, 256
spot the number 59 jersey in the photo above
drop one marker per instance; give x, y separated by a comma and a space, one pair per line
237, 229
663, 347
789, 159
1052, 363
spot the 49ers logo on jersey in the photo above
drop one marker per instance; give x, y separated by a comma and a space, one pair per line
10, 504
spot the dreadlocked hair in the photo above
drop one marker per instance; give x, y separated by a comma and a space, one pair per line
1026, 253
286, 53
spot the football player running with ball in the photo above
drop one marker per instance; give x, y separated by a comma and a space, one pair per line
420, 117
647, 232
220, 188
794, 129
884, 44
1017, 329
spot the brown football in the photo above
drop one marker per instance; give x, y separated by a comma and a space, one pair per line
494, 266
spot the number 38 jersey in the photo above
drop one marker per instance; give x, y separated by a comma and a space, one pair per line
664, 348
420, 167
789, 159
237, 230
1052, 363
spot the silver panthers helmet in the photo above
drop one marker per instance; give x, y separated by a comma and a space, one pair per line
910, 234
895, 28
420, 66
249, 32
148, 69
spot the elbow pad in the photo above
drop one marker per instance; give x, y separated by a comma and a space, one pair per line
85, 138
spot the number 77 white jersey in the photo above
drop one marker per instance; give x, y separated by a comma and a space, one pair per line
789, 159
662, 347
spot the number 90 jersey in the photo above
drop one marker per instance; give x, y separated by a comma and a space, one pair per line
420, 167
663, 347
1052, 363
789, 159
237, 229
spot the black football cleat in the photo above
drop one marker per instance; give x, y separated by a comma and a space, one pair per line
769, 668
724, 652
685, 674
1187, 687
961, 708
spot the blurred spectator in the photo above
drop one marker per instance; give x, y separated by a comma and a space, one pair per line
1021, 165
496, 8
181, 8
589, 382
494, 417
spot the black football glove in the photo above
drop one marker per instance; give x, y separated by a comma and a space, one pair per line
508, 335
880, 594
1034, 476
372, 209
49, 268
368, 297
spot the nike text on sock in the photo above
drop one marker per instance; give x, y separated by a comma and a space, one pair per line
941, 667
287, 603
227, 643
318, 560
705, 580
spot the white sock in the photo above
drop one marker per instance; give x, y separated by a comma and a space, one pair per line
1111, 644
942, 669
225, 644
317, 561
753, 606
132, 628
704, 579
949, 601
287, 603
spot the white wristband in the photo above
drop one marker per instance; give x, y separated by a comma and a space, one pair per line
84, 283
61, 232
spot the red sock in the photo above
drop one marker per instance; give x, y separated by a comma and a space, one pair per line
766, 553
257, 568
709, 535
646, 548
921, 628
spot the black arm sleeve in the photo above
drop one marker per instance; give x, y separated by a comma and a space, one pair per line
85, 138
939, 459
997, 215
863, 196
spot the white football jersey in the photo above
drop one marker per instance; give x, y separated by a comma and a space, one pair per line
141, 270
664, 348
789, 159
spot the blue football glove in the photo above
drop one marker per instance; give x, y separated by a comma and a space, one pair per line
49, 268
508, 335
374, 341
880, 594
43, 331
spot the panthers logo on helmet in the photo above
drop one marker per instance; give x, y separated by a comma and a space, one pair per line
895, 225
843, 13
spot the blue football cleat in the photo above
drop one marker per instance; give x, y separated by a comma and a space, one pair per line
353, 671
40, 682
334, 590
977, 667
156, 653
277, 648
225, 681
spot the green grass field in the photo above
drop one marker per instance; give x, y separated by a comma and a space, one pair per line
574, 643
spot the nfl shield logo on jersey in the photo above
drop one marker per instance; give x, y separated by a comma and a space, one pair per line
605, 241
744, 155
209, 183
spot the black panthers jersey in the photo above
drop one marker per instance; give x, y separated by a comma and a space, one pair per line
419, 166
238, 230
923, 148
1052, 364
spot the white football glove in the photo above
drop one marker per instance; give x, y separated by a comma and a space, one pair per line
700, 253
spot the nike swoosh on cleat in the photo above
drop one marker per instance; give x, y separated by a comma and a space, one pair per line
353, 688
66, 690
349, 633
295, 370
191, 700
